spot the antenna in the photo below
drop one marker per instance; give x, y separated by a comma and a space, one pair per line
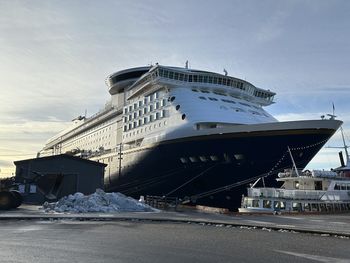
186, 64
345, 147
225, 71
332, 116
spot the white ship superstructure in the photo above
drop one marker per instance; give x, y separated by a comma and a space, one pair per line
165, 125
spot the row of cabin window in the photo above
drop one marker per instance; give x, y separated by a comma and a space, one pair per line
145, 120
236, 109
149, 128
145, 102
143, 111
224, 100
263, 95
339, 186
203, 78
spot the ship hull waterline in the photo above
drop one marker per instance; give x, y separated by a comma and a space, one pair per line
188, 167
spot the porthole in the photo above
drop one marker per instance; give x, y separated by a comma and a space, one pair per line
193, 159
177, 107
214, 158
172, 98
183, 116
184, 160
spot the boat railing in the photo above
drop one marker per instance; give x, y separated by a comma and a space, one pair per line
285, 194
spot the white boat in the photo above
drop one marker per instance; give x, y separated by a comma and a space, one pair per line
181, 132
303, 191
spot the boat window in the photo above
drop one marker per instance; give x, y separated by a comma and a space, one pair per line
228, 101
237, 109
213, 99
255, 112
177, 107
193, 159
202, 98
203, 158
194, 90
255, 203
343, 187
205, 91
267, 203
296, 206
307, 207
163, 102
183, 116
214, 158
172, 98
219, 93
184, 160
314, 207
244, 104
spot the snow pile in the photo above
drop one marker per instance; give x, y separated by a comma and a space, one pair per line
97, 202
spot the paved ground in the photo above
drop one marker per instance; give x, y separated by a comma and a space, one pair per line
69, 240
337, 224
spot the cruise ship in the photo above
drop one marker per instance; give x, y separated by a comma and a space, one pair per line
190, 134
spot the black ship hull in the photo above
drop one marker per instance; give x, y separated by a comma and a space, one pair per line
213, 170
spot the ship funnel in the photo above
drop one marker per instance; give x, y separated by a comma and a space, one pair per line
341, 159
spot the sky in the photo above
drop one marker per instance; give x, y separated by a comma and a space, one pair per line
55, 56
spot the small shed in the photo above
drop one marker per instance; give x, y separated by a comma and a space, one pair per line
52, 177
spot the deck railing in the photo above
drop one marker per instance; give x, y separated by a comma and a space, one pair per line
335, 195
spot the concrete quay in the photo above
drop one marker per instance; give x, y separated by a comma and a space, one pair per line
323, 224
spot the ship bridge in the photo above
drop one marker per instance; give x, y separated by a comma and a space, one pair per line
188, 77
